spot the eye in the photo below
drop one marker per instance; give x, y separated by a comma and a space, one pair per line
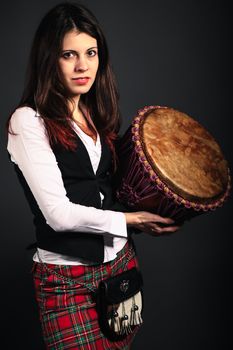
92, 53
68, 54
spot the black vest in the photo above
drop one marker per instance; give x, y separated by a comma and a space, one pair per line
83, 187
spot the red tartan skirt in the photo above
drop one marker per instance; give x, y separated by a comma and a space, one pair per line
68, 311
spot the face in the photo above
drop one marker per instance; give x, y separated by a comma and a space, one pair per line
78, 63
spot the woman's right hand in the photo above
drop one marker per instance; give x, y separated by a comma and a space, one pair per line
150, 223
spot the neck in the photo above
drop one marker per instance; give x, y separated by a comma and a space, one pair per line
79, 116
73, 104
84, 121
76, 99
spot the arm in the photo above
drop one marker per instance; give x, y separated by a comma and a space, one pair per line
31, 151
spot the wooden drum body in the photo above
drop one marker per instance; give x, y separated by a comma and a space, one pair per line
170, 165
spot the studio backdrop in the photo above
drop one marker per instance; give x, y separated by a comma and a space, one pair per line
163, 52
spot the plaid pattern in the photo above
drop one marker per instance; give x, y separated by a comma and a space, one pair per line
67, 311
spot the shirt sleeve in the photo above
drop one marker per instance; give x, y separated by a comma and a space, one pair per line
29, 148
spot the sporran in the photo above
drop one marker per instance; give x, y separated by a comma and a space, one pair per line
120, 304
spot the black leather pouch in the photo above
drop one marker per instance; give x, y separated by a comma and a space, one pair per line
120, 304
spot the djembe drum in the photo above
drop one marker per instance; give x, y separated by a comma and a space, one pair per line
170, 165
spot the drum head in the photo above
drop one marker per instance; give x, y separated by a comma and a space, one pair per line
184, 155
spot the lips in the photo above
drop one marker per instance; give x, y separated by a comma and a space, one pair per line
81, 80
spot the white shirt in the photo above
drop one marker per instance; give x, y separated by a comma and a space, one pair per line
30, 150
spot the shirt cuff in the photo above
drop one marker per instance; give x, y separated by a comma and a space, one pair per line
118, 225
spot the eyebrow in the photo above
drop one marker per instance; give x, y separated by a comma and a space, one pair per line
90, 48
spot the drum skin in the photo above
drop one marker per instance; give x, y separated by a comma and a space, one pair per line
171, 165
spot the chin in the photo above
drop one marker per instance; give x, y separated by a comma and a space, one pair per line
82, 90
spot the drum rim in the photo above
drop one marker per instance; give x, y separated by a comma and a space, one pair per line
154, 175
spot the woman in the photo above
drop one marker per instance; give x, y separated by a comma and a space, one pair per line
61, 141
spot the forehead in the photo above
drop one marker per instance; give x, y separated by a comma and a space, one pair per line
78, 40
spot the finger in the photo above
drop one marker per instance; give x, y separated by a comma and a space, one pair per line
170, 229
164, 220
156, 229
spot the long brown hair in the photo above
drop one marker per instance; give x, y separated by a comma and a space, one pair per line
44, 90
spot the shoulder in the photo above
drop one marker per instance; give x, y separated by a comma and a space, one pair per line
24, 117
23, 114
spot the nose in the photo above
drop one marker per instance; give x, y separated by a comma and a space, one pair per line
81, 64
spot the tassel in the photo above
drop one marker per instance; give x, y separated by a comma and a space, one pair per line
135, 317
125, 325
114, 321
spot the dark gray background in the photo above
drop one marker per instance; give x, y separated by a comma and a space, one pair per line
173, 53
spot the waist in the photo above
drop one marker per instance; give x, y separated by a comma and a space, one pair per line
112, 246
